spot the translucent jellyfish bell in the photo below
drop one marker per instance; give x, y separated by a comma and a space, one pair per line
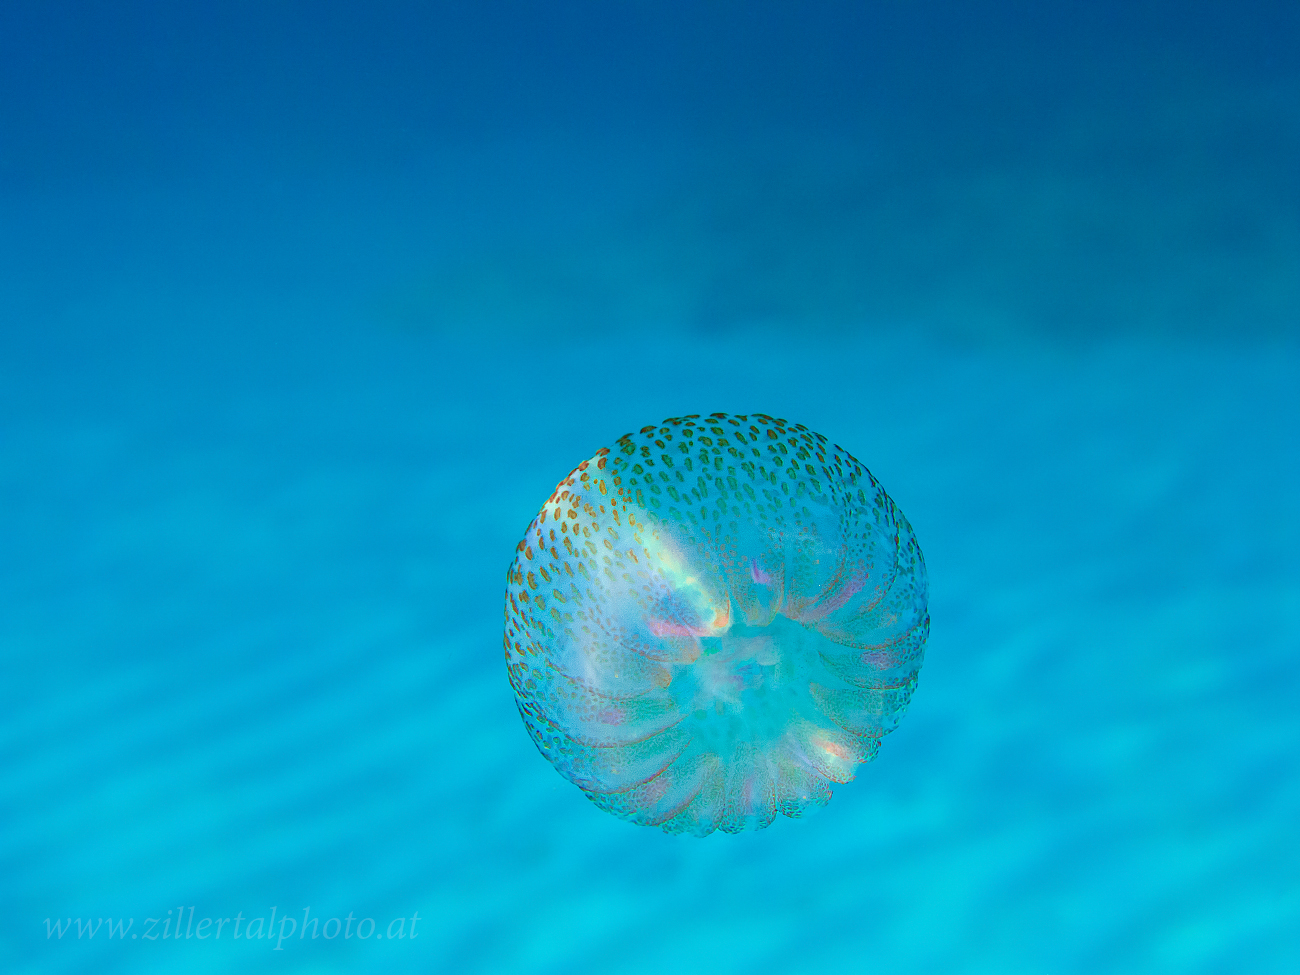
714, 620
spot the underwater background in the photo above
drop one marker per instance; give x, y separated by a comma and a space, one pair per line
306, 307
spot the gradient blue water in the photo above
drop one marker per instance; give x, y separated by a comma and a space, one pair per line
303, 313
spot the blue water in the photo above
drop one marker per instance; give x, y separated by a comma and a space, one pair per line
304, 312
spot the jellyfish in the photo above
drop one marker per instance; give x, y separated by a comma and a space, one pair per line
714, 621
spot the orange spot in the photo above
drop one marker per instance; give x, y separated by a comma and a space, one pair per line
836, 749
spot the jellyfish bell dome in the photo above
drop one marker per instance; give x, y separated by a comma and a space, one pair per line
713, 621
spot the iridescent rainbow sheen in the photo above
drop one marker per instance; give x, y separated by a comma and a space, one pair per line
713, 620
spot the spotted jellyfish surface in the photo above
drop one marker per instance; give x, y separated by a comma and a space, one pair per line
713, 620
